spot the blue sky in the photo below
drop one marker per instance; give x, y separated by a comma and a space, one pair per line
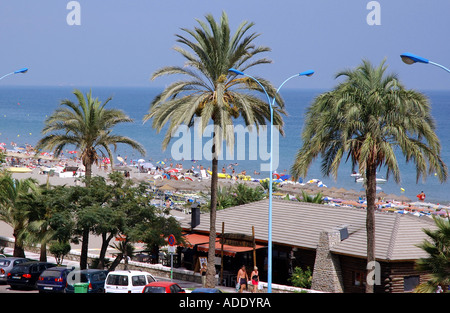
121, 43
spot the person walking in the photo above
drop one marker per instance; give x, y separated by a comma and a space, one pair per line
242, 279
255, 279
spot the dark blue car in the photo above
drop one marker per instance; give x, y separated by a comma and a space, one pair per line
94, 277
53, 279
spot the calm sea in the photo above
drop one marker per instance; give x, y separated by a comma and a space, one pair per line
24, 109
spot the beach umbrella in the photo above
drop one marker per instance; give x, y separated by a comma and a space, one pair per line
147, 165
2, 148
2, 144
173, 170
284, 177
120, 159
141, 161
72, 152
160, 162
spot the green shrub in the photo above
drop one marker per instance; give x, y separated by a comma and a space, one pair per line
301, 278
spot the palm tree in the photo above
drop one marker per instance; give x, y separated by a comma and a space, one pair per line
87, 125
438, 261
364, 119
318, 198
211, 93
12, 210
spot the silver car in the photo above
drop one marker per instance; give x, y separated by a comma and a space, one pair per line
6, 265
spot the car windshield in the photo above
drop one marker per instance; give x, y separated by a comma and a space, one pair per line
20, 269
4, 262
153, 289
51, 274
118, 280
98, 276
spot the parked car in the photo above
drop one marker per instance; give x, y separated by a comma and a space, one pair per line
6, 265
127, 281
53, 279
96, 279
163, 287
25, 275
206, 290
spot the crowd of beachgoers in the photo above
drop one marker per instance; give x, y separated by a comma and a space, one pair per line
185, 183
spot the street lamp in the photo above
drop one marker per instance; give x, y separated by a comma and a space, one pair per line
22, 70
410, 58
271, 104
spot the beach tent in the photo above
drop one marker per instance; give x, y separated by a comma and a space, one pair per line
147, 165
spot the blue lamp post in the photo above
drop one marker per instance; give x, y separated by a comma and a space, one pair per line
410, 58
271, 104
22, 70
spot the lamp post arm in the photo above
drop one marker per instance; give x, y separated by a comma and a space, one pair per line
439, 65
6, 75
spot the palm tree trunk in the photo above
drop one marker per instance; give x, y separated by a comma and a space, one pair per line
88, 173
18, 246
371, 192
210, 268
43, 252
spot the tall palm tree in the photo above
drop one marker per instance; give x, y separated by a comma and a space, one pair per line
211, 93
364, 119
88, 126
12, 210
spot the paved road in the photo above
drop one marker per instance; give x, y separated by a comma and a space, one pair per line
183, 284
6, 289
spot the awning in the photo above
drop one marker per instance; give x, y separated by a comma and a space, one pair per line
227, 249
194, 239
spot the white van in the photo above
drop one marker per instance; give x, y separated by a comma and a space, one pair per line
127, 281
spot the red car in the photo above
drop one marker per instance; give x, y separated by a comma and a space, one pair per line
163, 287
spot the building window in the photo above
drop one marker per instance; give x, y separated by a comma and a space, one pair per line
359, 278
410, 282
